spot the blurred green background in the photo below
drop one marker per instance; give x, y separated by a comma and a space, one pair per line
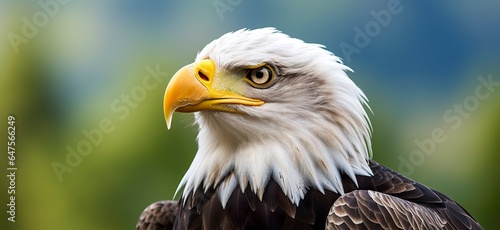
70, 67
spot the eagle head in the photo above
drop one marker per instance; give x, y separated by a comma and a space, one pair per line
270, 107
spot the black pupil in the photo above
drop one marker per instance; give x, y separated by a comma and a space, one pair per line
259, 74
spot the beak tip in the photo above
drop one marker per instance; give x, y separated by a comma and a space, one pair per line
169, 122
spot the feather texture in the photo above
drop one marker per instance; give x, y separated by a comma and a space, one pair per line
312, 127
386, 200
159, 215
301, 160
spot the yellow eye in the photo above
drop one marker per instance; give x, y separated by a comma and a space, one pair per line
261, 77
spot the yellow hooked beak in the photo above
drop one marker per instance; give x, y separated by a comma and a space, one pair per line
192, 89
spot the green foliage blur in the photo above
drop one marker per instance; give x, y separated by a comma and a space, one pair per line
82, 78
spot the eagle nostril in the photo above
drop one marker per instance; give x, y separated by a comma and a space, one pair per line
203, 76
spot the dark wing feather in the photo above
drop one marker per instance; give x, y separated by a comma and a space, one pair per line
363, 209
388, 200
159, 215
244, 210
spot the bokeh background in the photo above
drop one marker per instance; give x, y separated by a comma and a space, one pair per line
87, 61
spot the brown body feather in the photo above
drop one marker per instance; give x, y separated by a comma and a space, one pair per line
386, 200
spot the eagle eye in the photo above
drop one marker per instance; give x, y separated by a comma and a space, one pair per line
260, 77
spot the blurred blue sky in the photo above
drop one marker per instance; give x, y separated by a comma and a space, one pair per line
432, 47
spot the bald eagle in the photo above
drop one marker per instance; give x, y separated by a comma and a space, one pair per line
284, 143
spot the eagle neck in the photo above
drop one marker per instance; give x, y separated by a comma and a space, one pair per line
228, 159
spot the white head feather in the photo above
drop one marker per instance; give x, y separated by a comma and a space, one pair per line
312, 128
